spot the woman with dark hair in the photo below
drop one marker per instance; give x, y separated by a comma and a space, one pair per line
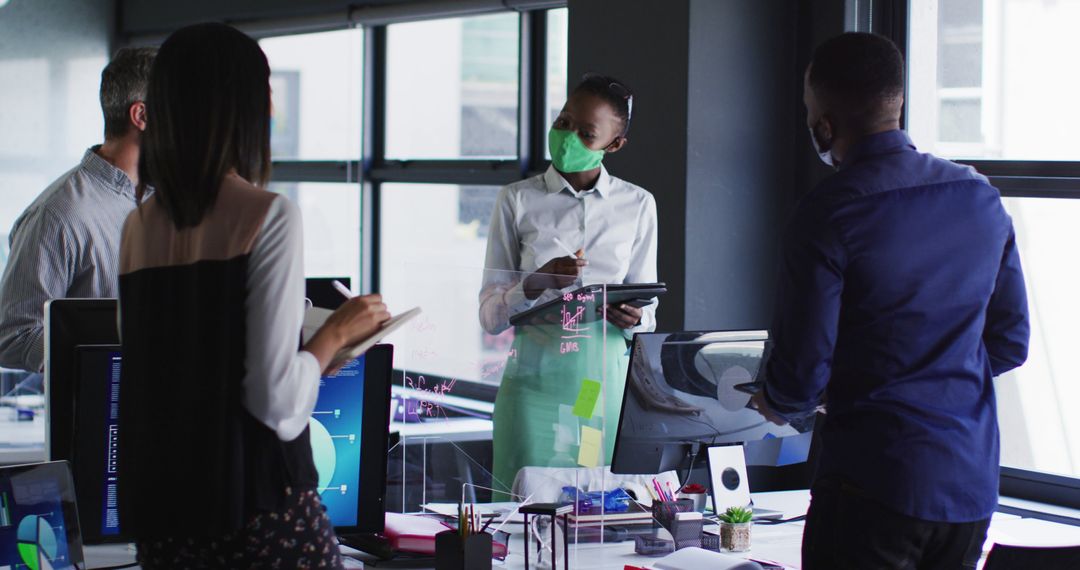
215, 456
575, 205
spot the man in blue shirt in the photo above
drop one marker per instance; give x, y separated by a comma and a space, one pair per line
900, 298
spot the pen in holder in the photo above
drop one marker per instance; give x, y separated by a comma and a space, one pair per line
679, 518
456, 552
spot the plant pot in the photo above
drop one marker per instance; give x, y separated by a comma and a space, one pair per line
735, 537
699, 500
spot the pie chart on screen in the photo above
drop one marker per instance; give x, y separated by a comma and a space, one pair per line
37, 543
323, 452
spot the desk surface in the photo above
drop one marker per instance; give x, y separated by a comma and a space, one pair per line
452, 429
780, 543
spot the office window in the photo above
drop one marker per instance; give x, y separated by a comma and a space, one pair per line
316, 91
990, 79
434, 256
331, 213
556, 67
1037, 403
452, 88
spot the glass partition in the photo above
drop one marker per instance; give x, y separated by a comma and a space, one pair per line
507, 389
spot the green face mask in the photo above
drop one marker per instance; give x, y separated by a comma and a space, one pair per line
569, 154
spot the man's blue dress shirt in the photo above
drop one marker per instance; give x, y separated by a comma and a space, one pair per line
900, 297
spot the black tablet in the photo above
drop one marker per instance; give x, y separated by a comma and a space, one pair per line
636, 294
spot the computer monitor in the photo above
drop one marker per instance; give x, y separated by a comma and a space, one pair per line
39, 527
680, 397
70, 323
349, 430
322, 293
97, 426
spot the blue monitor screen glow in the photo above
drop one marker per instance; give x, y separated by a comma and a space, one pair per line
38, 527
110, 516
336, 428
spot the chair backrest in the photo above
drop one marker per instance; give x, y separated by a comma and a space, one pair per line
1004, 557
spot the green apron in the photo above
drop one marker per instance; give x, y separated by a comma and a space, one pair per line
534, 421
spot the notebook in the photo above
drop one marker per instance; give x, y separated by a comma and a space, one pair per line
697, 558
315, 317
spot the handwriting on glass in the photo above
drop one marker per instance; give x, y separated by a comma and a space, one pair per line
429, 406
572, 323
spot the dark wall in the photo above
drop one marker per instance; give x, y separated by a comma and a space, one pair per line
740, 164
645, 44
719, 137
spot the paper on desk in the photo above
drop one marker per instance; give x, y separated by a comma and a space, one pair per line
589, 453
499, 511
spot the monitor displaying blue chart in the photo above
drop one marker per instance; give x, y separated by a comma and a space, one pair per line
96, 455
336, 428
36, 518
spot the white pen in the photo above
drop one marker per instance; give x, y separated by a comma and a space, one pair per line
566, 248
343, 289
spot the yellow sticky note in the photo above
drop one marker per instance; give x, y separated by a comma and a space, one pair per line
586, 399
589, 453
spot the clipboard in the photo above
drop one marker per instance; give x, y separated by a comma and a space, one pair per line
637, 294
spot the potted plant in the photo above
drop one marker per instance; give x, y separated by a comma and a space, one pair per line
735, 525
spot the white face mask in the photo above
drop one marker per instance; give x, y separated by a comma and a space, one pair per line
824, 155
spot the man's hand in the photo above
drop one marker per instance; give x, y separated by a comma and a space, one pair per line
623, 316
762, 406
556, 274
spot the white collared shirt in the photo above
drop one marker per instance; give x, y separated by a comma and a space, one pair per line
614, 223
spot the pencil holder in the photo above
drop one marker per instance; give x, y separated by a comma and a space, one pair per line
453, 552
664, 511
686, 533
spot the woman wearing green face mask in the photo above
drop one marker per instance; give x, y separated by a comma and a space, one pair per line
575, 205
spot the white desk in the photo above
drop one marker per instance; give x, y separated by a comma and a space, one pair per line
21, 442
780, 543
455, 430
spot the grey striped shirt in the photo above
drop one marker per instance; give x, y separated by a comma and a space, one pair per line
66, 244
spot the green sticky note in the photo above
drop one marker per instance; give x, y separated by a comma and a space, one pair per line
589, 452
586, 399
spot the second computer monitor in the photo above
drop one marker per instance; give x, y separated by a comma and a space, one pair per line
349, 430
680, 396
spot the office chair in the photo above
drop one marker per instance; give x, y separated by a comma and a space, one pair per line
1003, 557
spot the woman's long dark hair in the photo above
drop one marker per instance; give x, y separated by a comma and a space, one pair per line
207, 112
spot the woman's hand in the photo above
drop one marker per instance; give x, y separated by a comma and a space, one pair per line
555, 274
355, 320
624, 316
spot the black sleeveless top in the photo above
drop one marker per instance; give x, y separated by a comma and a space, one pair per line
192, 460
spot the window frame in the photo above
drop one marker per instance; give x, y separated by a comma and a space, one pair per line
1014, 179
372, 168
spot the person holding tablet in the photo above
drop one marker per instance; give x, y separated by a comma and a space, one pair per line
609, 225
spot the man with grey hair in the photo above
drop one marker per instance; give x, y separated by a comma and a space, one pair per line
67, 242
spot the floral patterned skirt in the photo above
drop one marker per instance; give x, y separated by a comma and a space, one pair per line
299, 536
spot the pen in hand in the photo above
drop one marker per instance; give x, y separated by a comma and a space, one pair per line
341, 288
566, 248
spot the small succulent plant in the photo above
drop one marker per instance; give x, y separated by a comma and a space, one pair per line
737, 515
